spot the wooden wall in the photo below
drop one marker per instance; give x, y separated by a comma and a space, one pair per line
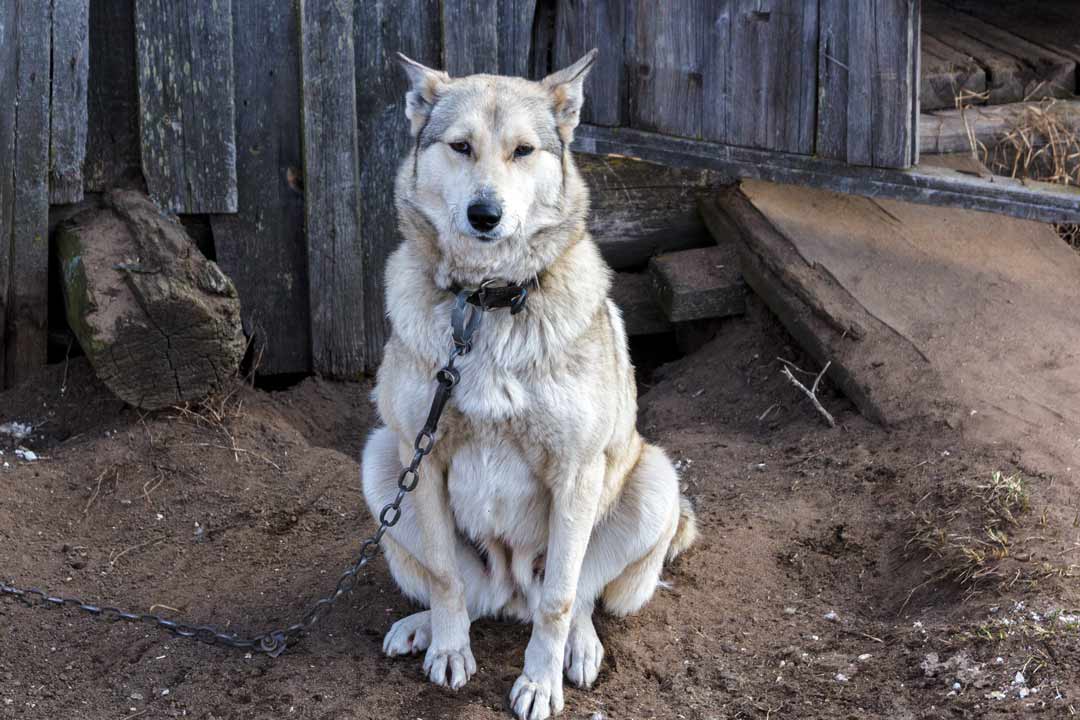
280, 124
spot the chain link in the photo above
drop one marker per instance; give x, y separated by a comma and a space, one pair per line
464, 322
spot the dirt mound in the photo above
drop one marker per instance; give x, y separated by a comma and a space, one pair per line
825, 583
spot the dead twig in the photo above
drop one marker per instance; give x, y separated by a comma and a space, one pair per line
810, 392
97, 489
113, 558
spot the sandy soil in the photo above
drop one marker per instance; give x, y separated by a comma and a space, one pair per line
841, 573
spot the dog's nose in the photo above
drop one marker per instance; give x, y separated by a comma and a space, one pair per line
484, 215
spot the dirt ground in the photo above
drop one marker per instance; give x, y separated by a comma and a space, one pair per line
841, 573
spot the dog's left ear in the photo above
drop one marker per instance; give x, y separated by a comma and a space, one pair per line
567, 86
425, 85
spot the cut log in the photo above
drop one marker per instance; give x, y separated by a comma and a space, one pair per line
699, 284
633, 293
947, 74
159, 322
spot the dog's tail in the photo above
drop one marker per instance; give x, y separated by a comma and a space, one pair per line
686, 532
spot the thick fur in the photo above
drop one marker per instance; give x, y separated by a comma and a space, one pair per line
540, 497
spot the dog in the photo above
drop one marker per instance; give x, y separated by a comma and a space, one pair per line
539, 498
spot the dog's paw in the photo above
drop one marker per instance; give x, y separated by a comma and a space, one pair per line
583, 653
536, 699
409, 635
449, 668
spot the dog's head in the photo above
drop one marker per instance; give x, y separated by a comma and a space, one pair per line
491, 169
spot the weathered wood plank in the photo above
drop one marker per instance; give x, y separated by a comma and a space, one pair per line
641, 209
773, 74
699, 284
411, 27
470, 35
9, 47
112, 152
70, 66
948, 74
867, 85
515, 36
949, 131
336, 269
185, 76
582, 26
1029, 199
1016, 69
28, 307
634, 295
262, 247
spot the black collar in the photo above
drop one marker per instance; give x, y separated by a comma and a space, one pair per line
490, 296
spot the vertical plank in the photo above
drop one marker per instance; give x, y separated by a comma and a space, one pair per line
185, 79
470, 32
773, 71
582, 25
867, 82
70, 65
27, 309
112, 152
8, 87
262, 246
516, 20
336, 267
412, 27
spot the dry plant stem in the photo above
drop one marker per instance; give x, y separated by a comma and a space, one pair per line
812, 391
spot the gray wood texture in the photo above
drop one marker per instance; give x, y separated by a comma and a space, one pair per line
411, 27
70, 67
699, 284
950, 131
262, 246
185, 79
482, 36
112, 153
1016, 69
9, 47
336, 263
641, 209
948, 75
867, 84
28, 244
634, 295
582, 25
933, 186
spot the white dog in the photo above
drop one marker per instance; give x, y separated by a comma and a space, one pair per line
540, 497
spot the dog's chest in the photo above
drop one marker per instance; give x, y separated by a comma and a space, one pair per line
494, 496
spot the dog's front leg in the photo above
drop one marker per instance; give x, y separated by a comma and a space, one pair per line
449, 659
538, 692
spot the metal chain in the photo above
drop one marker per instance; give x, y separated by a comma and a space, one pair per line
465, 320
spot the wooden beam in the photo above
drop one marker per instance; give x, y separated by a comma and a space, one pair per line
70, 66
9, 53
336, 269
699, 284
28, 244
470, 36
635, 296
185, 76
582, 25
262, 246
933, 186
951, 131
948, 74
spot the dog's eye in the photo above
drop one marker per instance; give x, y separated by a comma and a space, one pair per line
523, 150
461, 147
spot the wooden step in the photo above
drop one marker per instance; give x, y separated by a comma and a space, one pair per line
947, 74
633, 293
699, 284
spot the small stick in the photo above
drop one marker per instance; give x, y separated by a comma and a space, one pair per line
812, 392
97, 489
122, 553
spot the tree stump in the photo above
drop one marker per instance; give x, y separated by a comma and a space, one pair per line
158, 321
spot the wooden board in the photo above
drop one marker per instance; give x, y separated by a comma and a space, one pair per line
950, 131
586, 24
411, 27
112, 152
262, 247
634, 295
641, 209
70, 67
185, 79
1016, 70
699, 284
867, 82
336, 265
27, 311
948, 74
516, 21
483, 36
1028, 199
9, 46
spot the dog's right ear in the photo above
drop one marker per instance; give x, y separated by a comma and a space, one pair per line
425, 85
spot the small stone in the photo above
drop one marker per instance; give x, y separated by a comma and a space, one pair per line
789, 611
597, 716
1019, 678
831, 616
136, 696
956, 686
864, 657
1023, 693
995, 695
841, 678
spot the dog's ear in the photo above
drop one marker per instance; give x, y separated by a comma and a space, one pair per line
567, 86
425, 85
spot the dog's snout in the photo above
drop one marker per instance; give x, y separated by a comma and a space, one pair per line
484, 215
